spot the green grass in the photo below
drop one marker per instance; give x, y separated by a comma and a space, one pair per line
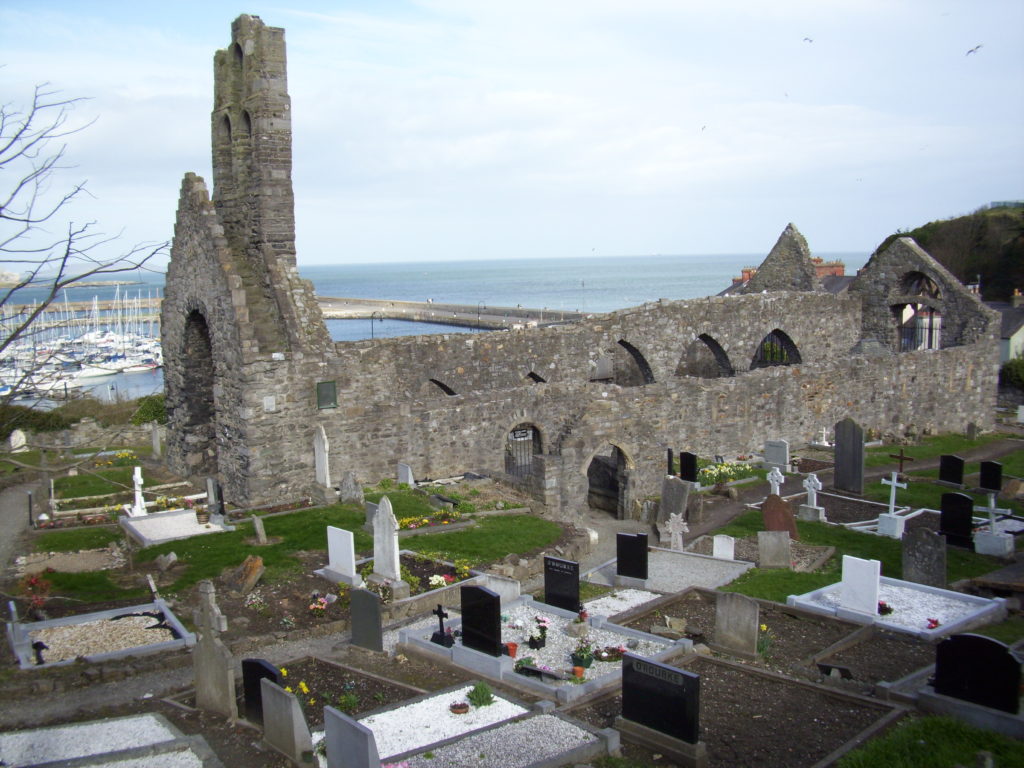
75, 539
929, 495
94, 483
591, 591
91, 587
772, 584
933, 742
404, 503
1009, 631
491, 539
927, 448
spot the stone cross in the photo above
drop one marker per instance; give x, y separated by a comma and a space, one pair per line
441, 614
992, 511
212, 663
775, 479
139, 507
893, 485
902, 458
812, 485
385, 542
209, 620
676, 528
824, 436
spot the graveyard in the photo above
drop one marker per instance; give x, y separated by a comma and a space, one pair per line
346, 618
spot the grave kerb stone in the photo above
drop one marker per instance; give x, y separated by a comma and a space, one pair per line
859, 589
350, 744
284, 725
723, 547
774, 549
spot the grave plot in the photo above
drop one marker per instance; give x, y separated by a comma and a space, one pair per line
806, 557
875, 656
133, 631
672, 571
787, 641
755, 719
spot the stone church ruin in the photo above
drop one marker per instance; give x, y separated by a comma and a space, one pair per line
261, 398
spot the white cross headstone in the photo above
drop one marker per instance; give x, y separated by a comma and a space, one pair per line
676, 528
139, 507
992, 542
893, 485
385, 541
812, 485
824, 436
775, 479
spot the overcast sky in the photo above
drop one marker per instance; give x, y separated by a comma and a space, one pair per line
462, 129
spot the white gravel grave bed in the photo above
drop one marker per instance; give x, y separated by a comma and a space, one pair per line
101, 636
64, 742
428, 721
619, 601
911, 608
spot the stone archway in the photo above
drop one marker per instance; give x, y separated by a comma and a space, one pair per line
197, 397
608, 477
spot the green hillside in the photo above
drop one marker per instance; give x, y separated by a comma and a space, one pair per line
988, 242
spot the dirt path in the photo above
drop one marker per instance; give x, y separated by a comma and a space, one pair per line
13, 522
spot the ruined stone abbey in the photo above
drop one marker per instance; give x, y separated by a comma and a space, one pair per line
260, 397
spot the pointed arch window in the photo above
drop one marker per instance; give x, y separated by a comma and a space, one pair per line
775, 349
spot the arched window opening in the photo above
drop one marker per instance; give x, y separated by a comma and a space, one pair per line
236, 53
521, 445
919, 327
444, 387
634, 370
608, 481
919, 284
198, 410
775, 349
535, 378
224, 128
247, 123
705, 359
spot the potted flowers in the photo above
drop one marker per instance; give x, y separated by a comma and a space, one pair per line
539, 633
583, 654
459, 707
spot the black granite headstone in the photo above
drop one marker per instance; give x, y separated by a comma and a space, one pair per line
631, 555
481, 620
688, 466
849, 453
951, 470
956, 521
562, 583
661, 697
991, 478
254, 670
980, 670
367, 628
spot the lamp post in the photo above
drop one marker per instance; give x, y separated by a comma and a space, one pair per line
373, 315
479, 305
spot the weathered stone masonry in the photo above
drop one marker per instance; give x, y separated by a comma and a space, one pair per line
245, 347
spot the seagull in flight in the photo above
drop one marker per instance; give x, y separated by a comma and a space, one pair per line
808, 40
973, 50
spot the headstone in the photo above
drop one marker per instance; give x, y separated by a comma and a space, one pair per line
165, 562
736, 624
956, 521
367, 628
259, 530
674, 495
1020, 414
371, 513
891, 526
661, 697
778, 516
688, 466
562, 583
440, 637
16, 443
980, 670
951, 470
775, 480
774, 549
481, 620
992, 541
859, 589
385, 542
253, 671
924, 557
321, 457
849, 471
214, 497
139, 505
893, 483
991, 476
810, 510
676, 528
154, 437
284, 725
776, 454
245, 576
405, 475
350, 744
350, 491
213, 666
341, 558
723, 547
631, 555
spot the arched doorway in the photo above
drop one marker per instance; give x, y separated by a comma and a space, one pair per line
608, 481
521, 445
197, 396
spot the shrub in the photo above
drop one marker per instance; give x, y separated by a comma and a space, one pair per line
150, 408
481, 695
1012, 373
30, 420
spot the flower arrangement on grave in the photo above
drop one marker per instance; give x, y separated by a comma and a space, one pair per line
933, 623
36, 589
765, 637
254, 601
319, 605
461, 566
884, 608
583, 654
459, 707
525, 661
581, 616
437, 581
610, 653
539, 633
